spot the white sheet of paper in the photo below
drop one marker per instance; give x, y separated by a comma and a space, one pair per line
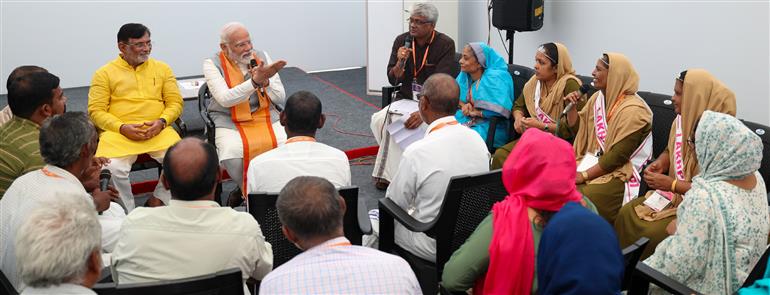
589, 160
403, 107
403, 136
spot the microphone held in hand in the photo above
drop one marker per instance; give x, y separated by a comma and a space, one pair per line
407, 45
585, 88
104, 179
252, 63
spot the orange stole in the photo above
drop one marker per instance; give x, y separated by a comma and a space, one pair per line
256, 128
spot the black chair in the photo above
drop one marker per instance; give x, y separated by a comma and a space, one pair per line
758, 272
631, 255
5, 285
389, 92
520, 75
647, 274
467, 201
764, 133
587, 80
226, 282
262, 207
663, 116
204, 97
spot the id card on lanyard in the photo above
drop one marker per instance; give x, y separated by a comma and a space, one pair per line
416, 87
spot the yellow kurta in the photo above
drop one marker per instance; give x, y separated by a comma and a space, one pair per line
120, 95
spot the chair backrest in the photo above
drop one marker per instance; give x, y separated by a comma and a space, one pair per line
758, 272
262, 207
631, 255
468, 200
5, 285
764, 133
204, 97
663, 116
587, 80
226, 282
520, 75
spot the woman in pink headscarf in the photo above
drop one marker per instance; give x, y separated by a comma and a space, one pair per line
499, 257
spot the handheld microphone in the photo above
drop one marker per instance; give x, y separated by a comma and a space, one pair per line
252, 63
104, 179
407, 44
585, 88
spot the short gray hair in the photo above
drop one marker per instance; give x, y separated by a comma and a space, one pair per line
228, 29
427, 10
443, 92
309, 206
62, 136
55, 242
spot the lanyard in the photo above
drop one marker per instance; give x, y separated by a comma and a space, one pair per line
49, 173
300, 138
442, 125
424, 57
340, 244
615, 105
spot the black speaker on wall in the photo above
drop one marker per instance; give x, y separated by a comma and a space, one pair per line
517, 15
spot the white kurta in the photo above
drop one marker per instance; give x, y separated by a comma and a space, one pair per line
424, 173
228, 142
30, 191
270, 171
186, 239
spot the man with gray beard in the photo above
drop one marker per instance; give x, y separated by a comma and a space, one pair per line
247, 100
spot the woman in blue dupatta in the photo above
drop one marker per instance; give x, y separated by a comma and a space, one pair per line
486, 90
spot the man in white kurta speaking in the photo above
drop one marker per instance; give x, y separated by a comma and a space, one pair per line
448, 149
248, 95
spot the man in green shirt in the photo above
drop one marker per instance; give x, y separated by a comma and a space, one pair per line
32, 97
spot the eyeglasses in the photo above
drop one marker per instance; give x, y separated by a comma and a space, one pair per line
417, 21
139, 44
243, 44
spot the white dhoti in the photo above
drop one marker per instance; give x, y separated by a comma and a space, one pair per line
121, 167
389, 154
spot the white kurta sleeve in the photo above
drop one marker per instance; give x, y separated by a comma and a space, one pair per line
224, 95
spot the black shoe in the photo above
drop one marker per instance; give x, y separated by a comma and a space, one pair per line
381, 184
235, 199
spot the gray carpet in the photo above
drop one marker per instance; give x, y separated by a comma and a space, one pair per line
345, 103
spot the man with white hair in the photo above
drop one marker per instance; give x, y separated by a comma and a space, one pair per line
67, 144
59, 248
428, 52
247, 101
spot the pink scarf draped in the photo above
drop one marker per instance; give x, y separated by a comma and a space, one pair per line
540, 174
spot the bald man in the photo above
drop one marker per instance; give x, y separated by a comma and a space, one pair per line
189, 227
448, 149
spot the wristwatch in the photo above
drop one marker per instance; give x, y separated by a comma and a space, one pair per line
164, 122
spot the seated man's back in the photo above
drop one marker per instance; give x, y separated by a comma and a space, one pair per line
301, 155
338, 267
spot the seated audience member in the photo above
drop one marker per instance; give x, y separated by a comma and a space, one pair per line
6, 114
410, 65
67, 144
613, 136
59, 250
301, 155
132, 100
722, 223
184, 239
245, 105
448, 149
311, 212
579, 254
32, 98
694, 92
542, 100
539, 176
486, 90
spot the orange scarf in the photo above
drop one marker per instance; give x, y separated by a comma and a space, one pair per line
256, 128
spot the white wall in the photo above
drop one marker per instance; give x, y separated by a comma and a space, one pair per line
73, 39
731, 39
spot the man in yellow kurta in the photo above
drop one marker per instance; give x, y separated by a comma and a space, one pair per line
132, 100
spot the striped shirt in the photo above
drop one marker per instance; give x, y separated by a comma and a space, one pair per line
336, 267
19, 150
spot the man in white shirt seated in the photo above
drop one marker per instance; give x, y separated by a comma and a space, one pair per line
301, 155
448, 149
67, 145
311, 212
245, 105
192, 236
60, 248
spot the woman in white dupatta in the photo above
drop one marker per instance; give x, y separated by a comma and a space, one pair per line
722, 223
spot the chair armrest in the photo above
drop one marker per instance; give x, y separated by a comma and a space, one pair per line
403, 217
180, 126
661, 280
387, 94
491, 133
208, 129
